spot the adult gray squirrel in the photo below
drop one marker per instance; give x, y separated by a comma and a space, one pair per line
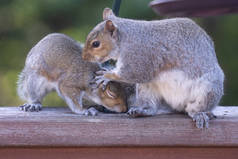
55, 64
171, 61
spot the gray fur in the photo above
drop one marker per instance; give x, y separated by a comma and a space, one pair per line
55, 64
152, 44
148, 49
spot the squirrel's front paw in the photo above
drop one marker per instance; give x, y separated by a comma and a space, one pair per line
90, 112
136, 111
100, 80
31, 107
201, 119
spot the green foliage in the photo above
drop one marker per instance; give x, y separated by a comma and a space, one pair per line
24, 22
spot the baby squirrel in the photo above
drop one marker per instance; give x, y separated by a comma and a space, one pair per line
55, 64
171, 61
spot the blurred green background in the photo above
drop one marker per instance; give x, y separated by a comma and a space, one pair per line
24, 22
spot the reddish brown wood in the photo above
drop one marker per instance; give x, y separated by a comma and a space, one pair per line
119, 153
59, 127
194, 8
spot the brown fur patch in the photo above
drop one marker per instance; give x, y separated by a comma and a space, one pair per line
119, 100
90, 53
167, 65
112, 76
52, 75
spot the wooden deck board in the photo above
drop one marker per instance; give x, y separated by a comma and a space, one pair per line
119, 153
59, 127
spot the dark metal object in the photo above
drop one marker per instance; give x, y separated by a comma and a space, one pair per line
116, 7
194, 8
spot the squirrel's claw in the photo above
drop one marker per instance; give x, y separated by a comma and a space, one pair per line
101, 80
201, 119
90, 112
137, 111
93, 84
35, 107
104, 84
101, 72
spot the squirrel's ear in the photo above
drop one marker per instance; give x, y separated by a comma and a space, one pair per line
111, 94
110, 27
107, 12
111, 91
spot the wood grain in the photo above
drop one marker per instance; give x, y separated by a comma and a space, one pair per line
59, 127
119, 153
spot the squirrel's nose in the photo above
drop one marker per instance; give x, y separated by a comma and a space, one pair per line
121, 108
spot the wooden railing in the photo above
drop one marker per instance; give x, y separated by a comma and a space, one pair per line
58, 133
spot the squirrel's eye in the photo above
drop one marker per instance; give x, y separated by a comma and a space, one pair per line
96, 44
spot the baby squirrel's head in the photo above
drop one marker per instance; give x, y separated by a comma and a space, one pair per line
113, 98
101, 44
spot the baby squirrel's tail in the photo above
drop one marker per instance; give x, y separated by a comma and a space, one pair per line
22, 85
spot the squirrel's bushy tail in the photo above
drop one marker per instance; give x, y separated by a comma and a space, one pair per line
22, 85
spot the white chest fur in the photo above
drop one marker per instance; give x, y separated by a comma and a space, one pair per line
176, 89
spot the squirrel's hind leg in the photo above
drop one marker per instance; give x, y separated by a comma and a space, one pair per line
205, 95
200, 108
146, 105
33, 89
202, 119
31, 107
